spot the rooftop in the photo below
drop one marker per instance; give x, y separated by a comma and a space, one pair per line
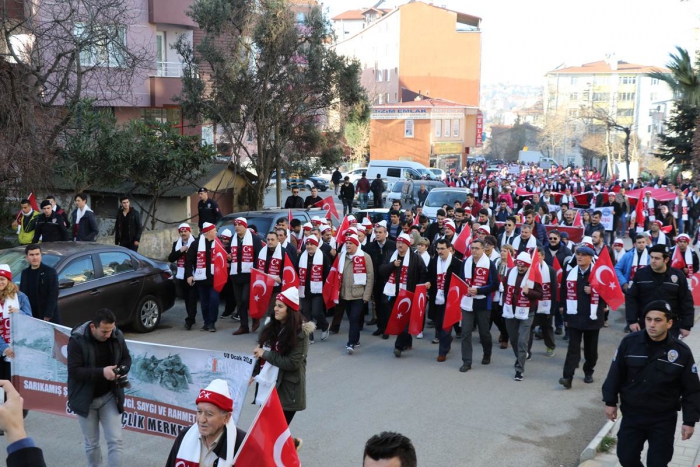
358, 14
603, 66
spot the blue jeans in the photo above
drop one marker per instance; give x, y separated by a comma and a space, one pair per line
209, 299
362, 199
354, 309
103, 410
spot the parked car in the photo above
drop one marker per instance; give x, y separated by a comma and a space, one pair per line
317, 182
440, 196
394, 171
427, 174
92, 276
266, 219
395, 193
439, 174
273, 179
355, 174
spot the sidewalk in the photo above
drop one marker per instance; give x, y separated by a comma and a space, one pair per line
685, 453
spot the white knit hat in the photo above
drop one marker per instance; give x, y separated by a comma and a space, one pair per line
217, 393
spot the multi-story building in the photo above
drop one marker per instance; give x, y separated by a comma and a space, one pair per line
399, 64
349, 23
623, 92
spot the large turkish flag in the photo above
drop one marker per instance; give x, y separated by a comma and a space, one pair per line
604, 280
261, 285
400, 314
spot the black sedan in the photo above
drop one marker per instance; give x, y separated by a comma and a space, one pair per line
93, 276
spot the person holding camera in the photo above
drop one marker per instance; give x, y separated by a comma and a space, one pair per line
98, 361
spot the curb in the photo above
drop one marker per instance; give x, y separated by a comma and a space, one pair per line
590, 451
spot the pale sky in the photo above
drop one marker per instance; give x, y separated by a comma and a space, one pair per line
522, 40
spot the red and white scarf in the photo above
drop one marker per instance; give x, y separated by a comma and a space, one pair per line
568, 199
531, 242
522, 303
5, 316
636, 261
544, 306
189, 453
480, 279
359, 267
688, 258
180, 273
572, 294
200, 269
684, 209
246, 257
316, 276
390, 286
649, 211
275, 262
442, 268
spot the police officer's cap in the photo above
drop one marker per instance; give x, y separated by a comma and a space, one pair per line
202, 190
658, 248
658, 305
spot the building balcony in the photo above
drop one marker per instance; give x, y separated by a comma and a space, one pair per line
170, 12
165, 84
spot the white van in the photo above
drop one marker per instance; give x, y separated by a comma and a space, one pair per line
393, 171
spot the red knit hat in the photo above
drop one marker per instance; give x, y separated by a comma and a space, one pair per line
206, 227
5, 271
290, 297
217, 393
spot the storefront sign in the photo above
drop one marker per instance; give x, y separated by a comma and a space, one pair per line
399, 113
448, 148
479, 129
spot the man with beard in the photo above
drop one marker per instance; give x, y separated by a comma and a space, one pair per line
380, 250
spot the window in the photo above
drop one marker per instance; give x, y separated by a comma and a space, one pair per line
79, 270
601, 96
446, 128
408, 128
160, 53
455, 128
653, 96
101, 45
574, 80
393, 172
387, 76
249, 136
438, 128
300, 18
379, 73
626, 96
116, 262
573, 96
625, 112
573, 113
164, 115
654, 81
628, 80
380, 99
601, 79
386, 98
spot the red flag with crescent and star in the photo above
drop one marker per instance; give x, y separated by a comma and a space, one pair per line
464, 240
453, 309
639, 214
220, 266
340, 234
268, 442
534, 275
578, 220
420, 298
559, 272
604, 280
290, 278
331, 289
694, 282
511, 263
400, 314
678, 261
261, 286
60, 346
328, 204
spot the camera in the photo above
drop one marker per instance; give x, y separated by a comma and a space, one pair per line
122, 380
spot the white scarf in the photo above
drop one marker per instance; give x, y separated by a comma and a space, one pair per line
617, 256
522, 303
684, 205
568, 199
5, 316
275, 268
200, 269
390, 286
180, 274
358, 264
649, 211
442, 268
80, 213
483, 267
572, 294
316, 286
247, 256
505, 237
544, 306
637, 262
426, 258
661, 239
531, 242
688, 258
190, 449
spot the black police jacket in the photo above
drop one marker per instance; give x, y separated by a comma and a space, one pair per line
663, 382
672, 286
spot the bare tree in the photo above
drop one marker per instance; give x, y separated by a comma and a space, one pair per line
52, 55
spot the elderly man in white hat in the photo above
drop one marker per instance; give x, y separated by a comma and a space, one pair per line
178, 255
520, 298
214, 440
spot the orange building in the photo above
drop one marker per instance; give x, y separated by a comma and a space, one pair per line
434, 132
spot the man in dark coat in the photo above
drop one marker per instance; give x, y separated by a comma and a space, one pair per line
336, 179
83, 219
377, 188
178, 255
294, 201
50, 226
207, 209
380, 250
127, 230
438, 291
40, 284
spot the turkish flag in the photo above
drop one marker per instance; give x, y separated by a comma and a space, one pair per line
32, 202
400, 314
604, 281
60, 346
582, 198
559, 271
340, 234
420, 298
695, 287
261, 285
667, 229
331, 289
678, 261
328, 204
289, 216
268, 442
464, 240
578, 221
218, 257
453, 309
290, 278
522, 192
534, 275
639, 214
511, 263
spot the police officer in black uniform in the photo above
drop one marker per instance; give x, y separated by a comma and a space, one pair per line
208, 209
660, 281
655, 376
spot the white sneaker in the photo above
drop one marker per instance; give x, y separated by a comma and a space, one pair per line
419, 336
350, 349
325, 334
